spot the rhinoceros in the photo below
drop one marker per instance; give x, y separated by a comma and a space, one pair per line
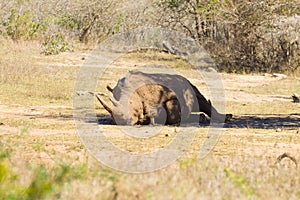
142, 98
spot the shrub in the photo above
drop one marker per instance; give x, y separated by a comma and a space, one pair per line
241, 36
21, 25
55, 44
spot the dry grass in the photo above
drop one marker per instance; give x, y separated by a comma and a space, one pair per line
262, 108
280, 87
29, 78
241, 166
42, 157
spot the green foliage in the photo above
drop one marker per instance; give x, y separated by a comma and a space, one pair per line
3, 168
110, 175
21, 25
8, 191
79, 171
207, 9
118, 26
3, 172
4, 154
69, 22
240, 181
56, 44
188, 162
25, 130
172, 4
40, 185
44, 182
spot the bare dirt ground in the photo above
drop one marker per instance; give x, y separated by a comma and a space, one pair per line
236, 91
37, 128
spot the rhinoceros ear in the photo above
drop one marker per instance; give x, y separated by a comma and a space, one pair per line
109, 88
209, 102
104, 104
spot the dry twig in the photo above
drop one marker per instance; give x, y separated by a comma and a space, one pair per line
286, 155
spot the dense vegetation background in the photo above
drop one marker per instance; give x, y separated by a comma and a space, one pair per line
241, 35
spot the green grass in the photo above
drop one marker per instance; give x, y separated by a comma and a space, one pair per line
43, 182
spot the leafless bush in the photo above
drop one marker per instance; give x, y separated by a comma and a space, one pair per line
241, 36
33, 19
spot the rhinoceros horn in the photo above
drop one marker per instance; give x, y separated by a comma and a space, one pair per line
104, 104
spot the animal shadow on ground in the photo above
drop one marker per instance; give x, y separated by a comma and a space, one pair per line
285, 121
61, 117
273, 121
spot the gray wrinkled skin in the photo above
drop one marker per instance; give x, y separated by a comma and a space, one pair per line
142, 98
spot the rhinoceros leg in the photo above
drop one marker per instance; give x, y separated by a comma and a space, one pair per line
206, 107
173, 110
152, 113
204, 104
157, 115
